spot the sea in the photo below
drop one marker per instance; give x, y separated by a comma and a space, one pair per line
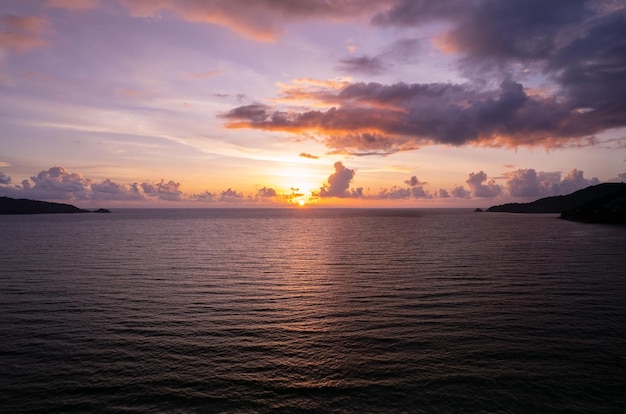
311, 310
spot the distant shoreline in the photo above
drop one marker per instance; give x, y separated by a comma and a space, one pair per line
22, 206
602, 203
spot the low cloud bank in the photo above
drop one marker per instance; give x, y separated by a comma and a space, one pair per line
60, 184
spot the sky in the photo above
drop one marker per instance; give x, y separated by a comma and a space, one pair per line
356, 103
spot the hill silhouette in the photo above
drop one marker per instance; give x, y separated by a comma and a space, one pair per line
602, 203
24, 206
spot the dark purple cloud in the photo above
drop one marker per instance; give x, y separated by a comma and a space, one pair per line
577, 47
579, 44
373, 118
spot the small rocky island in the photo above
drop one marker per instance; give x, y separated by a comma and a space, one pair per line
24, 206
602, 203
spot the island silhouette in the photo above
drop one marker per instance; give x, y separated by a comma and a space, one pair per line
602, 203
25, 206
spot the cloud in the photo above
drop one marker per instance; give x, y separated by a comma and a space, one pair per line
4, 179
415, 190
22, 33
414, 181
309, 156
528, 183
262, 20
574, 181
575, 48
73, 4
443, 193
339, 183
58, 183
109, 190
169, 191
230, 196
205, 196
478, 189
578, 44
460, 192
395, 193
415, 12
362, 64
401, 50
419, 192
266, 192
378, 119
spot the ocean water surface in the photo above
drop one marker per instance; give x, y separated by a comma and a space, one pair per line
311, 310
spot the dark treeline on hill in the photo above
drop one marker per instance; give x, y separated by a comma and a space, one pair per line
24, 206
602, 203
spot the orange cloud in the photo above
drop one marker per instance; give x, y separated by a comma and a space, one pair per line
445, 43
261, 20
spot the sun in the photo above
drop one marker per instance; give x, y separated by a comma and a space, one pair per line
298, 197
298, 184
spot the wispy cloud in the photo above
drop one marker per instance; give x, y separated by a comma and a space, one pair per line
262, 20
22, 33
73, 4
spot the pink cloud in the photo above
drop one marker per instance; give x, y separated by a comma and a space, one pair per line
22, 33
